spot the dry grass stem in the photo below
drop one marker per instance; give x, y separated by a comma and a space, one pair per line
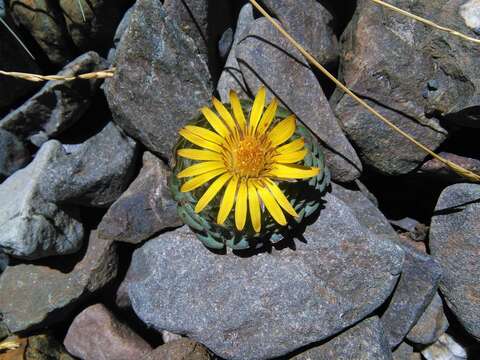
458, 169
11, 344
17, 38
38, 78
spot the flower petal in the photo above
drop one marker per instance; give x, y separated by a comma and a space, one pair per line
271, 204
254, 207
241, 206
215, 122
289, 158
282, 131
257, 109
228, 200
212, 191
197, 140
267, 117
295, 145
199, 180
200, 168
224, 114
237, 109
195, 154
280, 197
205, 133
291, 171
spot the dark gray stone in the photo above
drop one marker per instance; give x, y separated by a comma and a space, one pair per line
13, 154
364, 341
431, 325
121, 29
438, 171
160, 82
455, 244
32, 227
269, 304
405, 352
144, 209
93, 173
384, 61
4, 261
34, 296
232, 77
310, 23
180, 349
414, 292
58, 105
225, 43
266, 57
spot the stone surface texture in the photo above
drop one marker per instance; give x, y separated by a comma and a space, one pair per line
180, 349
445, 348
13, 154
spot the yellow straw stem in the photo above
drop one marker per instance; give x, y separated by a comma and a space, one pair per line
458, 169
37, 78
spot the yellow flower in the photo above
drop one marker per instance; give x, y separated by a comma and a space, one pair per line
249, 158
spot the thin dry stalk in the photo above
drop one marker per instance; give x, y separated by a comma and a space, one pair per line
17, 38
103, 74
458, 169
79, 2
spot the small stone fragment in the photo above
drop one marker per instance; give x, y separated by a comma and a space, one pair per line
13, 154
445, 348
179, 349
405, 352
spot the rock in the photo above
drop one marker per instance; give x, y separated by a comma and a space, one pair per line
30, 226
309, 23
57, 105
364, 341
265, 56
97, 334
269, 304
415, 290
382, 62
93, 173
471, 15
157, 68
44, 347
92, 23
405, 352
167, 336
438, 171
445, 348
121, 29
44, 21
225, 43
13, 154
455, 244
232, 77
179, 349
431, 325
144, 209
33, 296
4, 261
13, 57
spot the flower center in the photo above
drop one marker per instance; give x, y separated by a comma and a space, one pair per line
249, 156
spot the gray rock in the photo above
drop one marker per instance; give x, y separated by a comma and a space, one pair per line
383, 63
4, 261
225, 43
96, 333
58, 105
144, 209
44, 21
439, 171
33, 296
310, 23
445, 348
13, 154
121, 29
30, 226
160, 82
431, 325
405, 352
455, 244
167, 336
268, 304
266, 57
414, 292
93, 173
179, 349
364, 341
232, 77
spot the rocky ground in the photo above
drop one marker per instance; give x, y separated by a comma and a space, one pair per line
94, 261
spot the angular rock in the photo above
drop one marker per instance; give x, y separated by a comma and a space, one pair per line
431, 325
144, 209
269, 304
180, 349
160, 82
122, 27
167, 336
232, 77
414, 292
92, 23
225, 43
13, 154
58, 105
97, 334
309, 22
32, 227
266, 57
405, 352
364, 341
445, 348
383, 61
44, 21
437, 170
93, 173
455, 244
33, 296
